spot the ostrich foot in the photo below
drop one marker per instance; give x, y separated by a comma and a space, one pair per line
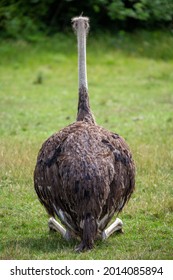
116, 226
51, 230
55, 226
121, 230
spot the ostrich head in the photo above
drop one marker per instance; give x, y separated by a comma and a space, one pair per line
80, 24
81, 28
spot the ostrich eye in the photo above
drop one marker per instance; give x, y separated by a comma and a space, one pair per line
75, 25
86, 25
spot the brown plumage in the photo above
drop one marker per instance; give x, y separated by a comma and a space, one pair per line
84, 173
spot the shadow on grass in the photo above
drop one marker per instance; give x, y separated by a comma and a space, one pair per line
47, 243
30, 247
54, 247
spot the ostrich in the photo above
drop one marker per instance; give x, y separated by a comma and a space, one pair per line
84, 173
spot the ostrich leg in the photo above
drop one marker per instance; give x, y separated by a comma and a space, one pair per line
54, 225
117, 225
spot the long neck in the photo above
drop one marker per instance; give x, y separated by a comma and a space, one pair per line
82, 68
81, 26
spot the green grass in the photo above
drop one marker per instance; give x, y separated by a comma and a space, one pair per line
131, 93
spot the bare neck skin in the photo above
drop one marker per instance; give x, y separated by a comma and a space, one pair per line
81, 26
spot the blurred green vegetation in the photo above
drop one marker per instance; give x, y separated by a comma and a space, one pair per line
23, 19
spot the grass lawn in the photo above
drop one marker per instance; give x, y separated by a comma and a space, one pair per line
131, 93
